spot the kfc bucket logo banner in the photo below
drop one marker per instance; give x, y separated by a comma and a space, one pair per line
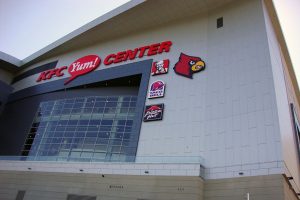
153, 112
188, 65
160, 67
157, 89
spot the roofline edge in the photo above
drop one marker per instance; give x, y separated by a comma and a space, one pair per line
283, 45
10, 59
80, 30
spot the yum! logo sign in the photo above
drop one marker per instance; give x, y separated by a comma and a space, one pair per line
89, 63
83, 66
79, 67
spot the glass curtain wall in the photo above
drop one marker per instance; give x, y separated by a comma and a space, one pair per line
93, 128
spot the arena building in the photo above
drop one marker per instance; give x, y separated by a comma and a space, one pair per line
155, 100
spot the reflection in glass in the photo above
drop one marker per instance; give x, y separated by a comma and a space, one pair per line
83, 129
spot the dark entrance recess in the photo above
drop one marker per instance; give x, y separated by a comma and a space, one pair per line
18, 114
90, 127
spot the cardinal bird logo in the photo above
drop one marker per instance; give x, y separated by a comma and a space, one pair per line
188, 65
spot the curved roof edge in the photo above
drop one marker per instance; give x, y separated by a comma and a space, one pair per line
14, 62
10, 59
285, 51
8, 62
83, 29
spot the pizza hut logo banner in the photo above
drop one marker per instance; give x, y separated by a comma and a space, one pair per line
83, 66
160, 67
154, 112
157, 89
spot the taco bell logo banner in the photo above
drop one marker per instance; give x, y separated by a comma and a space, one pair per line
160, 67
154, 112
157, 89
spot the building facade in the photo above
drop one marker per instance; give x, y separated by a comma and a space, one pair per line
155, 100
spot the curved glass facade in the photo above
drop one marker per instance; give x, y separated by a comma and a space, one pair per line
93, 128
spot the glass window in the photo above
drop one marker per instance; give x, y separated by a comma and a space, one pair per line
78, 134
71, 128
104, 134
93, 128
83, 129
99, 156
296, 129
91, 134
69, 134
101, 141
101, 148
